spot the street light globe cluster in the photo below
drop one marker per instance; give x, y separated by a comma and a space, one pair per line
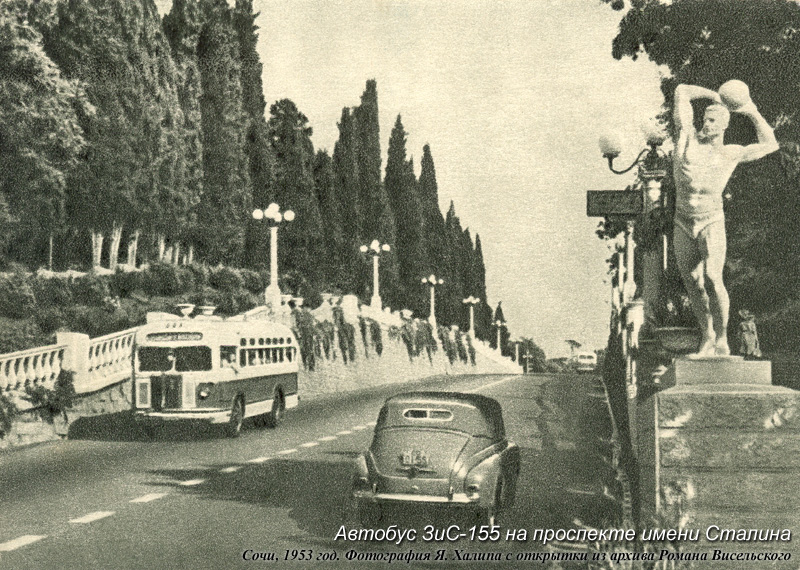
375, 247
432, 280
273, 212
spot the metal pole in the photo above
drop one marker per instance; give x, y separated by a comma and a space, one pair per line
432, 318
472, 320
376, 297
273, 292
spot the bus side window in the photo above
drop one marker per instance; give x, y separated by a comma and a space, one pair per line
289, 354
280, 354
242, 358
227, 356
251, 357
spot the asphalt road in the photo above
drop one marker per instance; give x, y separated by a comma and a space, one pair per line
110, 498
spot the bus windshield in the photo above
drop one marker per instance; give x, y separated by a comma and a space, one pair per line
186, 358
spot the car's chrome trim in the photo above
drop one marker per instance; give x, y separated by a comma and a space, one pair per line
457, 498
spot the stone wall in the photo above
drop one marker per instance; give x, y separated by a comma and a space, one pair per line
330, 376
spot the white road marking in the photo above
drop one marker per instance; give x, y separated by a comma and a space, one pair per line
327, 438
344, 432
259, 459
371, 424
231, 469
91, 517
192, 482
492, 384
359, 428
286, 451
148, 498
20, 542
309, 444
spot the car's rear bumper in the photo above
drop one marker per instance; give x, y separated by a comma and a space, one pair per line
455, 499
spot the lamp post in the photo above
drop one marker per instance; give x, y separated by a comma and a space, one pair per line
432, 281
652, 163
471, 301
499, 324
375, 249
273, 214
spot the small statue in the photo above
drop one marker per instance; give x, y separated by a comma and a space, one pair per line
748, 336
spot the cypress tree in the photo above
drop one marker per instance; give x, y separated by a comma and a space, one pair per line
226, 202
302, 247
257, 144
377, 220
401, 190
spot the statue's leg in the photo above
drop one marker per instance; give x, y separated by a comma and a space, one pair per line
713, 245
691, 267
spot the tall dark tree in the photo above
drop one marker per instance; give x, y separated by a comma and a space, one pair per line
226, 202
401, 189
40, 136
302, 241
117, 49
182, 27
483, 312
257, 144
433, 229
332, 221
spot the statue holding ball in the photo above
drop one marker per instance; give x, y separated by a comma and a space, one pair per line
702, 165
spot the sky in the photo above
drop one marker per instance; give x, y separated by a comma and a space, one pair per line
512, 97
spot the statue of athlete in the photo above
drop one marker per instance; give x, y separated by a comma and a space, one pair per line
702, 165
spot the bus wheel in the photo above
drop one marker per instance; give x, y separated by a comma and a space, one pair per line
234, 427
275, 417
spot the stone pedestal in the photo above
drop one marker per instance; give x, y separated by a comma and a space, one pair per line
721, 446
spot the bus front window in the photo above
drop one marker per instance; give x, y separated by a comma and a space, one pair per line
155, 359
192, 358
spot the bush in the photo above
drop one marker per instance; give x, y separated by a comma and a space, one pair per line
96, 321
7, 413
21, 335
16, 295
167, 279
377, 336
124, 283
305, 329
447, 344
347, 335
462, 350
253, 281
49, 319
56, 401
91, 289
52, 291
225, 279
200, 275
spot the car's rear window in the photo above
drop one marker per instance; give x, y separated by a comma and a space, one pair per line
428, 414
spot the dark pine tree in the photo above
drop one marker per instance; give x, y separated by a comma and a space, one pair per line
226, 202
257, 144
401, 189
302, 242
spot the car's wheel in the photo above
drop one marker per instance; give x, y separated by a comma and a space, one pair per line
234, 426
275, 417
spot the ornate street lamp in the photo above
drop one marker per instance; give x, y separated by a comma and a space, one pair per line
273, 214
432, 281
375, 249
471, 301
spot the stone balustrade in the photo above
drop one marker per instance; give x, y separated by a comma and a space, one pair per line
32, 367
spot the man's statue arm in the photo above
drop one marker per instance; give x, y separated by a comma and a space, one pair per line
766, 136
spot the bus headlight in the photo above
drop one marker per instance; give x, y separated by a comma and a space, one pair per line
204, 390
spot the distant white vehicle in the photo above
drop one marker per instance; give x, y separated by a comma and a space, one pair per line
585, 361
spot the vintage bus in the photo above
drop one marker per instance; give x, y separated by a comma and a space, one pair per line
213, 369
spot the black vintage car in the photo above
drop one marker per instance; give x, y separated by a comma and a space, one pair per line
443, 448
